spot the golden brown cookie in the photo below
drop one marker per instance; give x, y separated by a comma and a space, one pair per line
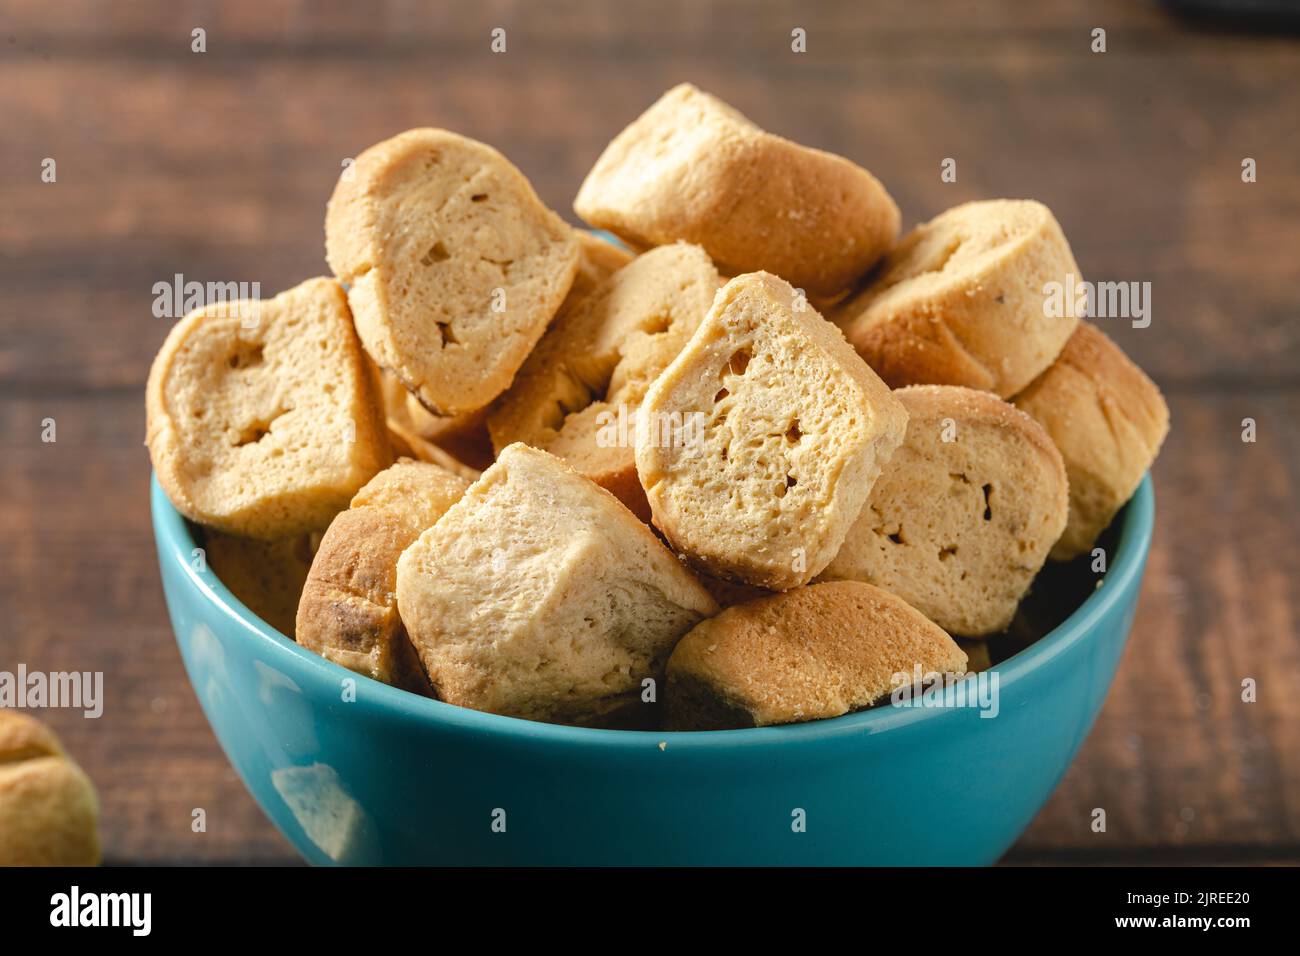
453, 265
962, 300
807, 654
348, 612
578, 394
692, 168
539, 595
1108, 419
962, 517
263, 417
761, 441
49, 814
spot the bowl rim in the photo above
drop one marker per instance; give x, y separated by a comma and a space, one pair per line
175, 542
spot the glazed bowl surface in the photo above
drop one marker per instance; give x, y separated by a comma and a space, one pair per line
352, 771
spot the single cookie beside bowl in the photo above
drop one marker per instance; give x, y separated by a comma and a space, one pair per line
49, 813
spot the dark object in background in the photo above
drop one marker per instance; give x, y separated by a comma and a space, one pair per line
1257, 16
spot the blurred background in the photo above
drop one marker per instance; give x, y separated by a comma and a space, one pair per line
217, 165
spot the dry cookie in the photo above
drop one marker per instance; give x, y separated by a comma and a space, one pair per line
811, 653
1108, 420
49, 813
962, 300
454, 267
760, 442
538, 595
348, 612
965, 512
692, 168
407, 444
463, 437
263, 417
267, 576
578, 394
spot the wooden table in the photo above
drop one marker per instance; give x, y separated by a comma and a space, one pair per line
217, 166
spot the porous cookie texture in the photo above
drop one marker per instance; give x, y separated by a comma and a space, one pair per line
539, 595
49, 813
807, 654
348, 613
453, 265
1108, 419
578, 394
695, 169
267, 576
263, 417
760, 442
965, 299
965, 512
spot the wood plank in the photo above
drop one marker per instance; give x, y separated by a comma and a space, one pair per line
219, 166
1177, 758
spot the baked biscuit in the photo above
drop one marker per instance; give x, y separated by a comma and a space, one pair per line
1108, 420
731, 593
807, 654
49, 813
578, 393
783, 429
407, 444
464, 437
453, 265
267, 576
263, 418
598, 259
965, 512
961, 300
692, 168
538, 595
348, 612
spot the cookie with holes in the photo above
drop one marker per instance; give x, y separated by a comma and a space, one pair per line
264, 418
693, 168
965, 512
578, 394
963, 300
762, 439
453, 265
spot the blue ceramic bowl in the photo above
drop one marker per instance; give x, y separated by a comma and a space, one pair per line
354, 771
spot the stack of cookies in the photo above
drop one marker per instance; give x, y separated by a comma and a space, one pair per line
744, 466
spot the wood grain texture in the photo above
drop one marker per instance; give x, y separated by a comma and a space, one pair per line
217, 166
